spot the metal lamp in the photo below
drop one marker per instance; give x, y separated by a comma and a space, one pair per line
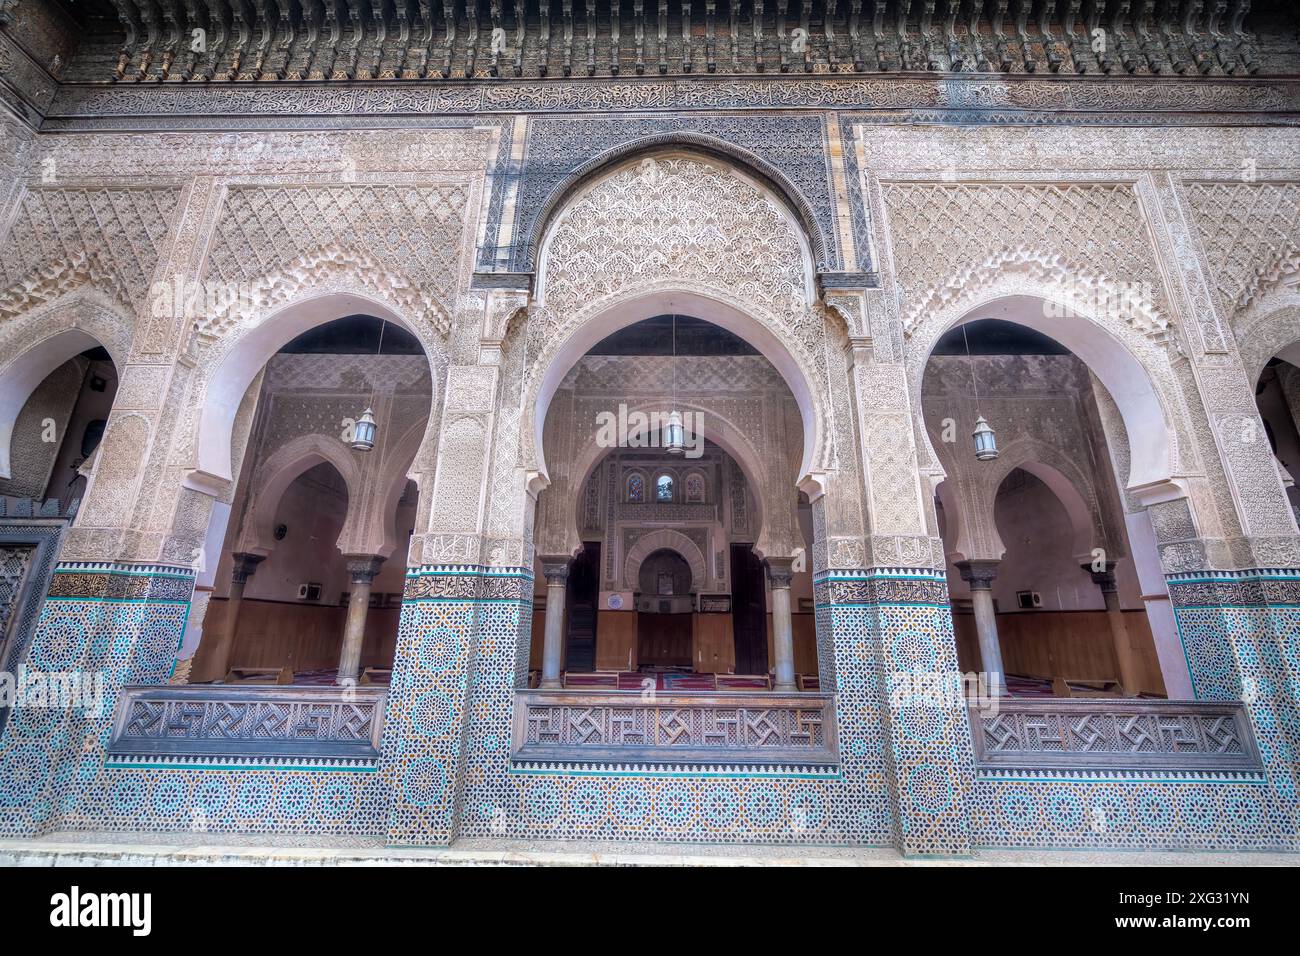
674, 435
363, 432
986, 442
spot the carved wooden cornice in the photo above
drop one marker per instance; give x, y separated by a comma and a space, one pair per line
448, 39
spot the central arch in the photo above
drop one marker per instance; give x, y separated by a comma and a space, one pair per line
680, 232
561, 358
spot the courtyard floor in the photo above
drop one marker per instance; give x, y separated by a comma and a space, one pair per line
135, 849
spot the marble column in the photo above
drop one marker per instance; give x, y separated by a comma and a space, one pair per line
779, 574
362, 568
244, 566
556, 571
979, 574
1129, 674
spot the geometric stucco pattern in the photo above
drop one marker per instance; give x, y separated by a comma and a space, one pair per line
263, 229
1250, 234
1092, 233
109, 236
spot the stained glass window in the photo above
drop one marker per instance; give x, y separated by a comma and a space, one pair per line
635, 487
664, 488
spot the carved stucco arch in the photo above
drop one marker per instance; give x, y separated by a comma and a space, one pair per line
1066, 483
560, 355
229, 365
745, 265
285, 466
1270, 329
659, 540
664, 143
1131, 364
50, 334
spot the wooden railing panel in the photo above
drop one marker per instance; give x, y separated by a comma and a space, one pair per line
628, 727
1113, 734
249, 722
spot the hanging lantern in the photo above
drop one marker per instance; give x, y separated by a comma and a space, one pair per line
363, 432
674, 434
986, 443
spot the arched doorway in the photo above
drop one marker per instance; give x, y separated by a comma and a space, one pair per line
677, 535
1048, 582
308, 585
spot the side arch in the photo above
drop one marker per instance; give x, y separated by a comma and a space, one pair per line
1128, 367
673, 541
52, 334
1268, 331
247, 352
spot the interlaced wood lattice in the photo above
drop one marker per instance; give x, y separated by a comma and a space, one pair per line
250, 721
1137, 734
631, 727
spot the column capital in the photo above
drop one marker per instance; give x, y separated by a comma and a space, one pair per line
555, 569
244, 566
978, 573
363, 567
779, 571
1104, 579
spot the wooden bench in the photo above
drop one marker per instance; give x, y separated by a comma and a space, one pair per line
605, 680
1090, 687
259, 675
744, 682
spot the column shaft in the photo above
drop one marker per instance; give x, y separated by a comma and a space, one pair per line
363, 571
557, 579
779, 573
1125, 660
980, 575
245, 565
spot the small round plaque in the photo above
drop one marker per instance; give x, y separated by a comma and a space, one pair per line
615, 601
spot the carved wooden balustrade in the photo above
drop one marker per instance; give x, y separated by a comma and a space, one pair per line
249, 722
1114, 734
629, 727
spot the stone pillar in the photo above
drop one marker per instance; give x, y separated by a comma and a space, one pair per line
778, 575
1124, 656
362, 568
979, 575
245, 565
556, 571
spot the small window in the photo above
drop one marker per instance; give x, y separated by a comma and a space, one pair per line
664, 488
695, 488
635, 488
